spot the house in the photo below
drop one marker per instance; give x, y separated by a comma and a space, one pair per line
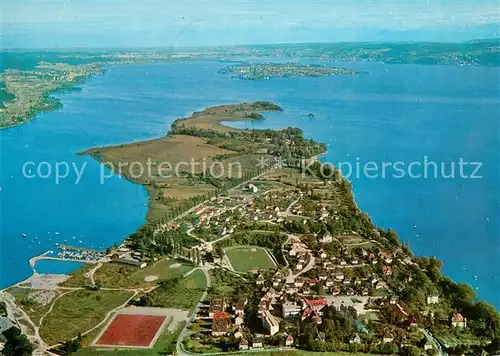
217, 305
428, 345
405, 342
270, 323
239, 320
243, 345
393, 299
381, 285
339, 276
458, 321
326, 239
355, 340
433, 299
290, 309
221, 324
321, 337
299, 282
289, 340
322, 254
386, 256
262, 310
131, 262
238, 333
239, 307
258, 343
388, 337
260, 280
387, 270
317, 319
313, 309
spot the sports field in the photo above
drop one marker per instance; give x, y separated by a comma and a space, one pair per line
132, 330
247, 258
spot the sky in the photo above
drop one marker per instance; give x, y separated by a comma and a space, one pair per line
155, 23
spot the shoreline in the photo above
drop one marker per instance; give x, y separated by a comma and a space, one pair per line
168, 134
44, 281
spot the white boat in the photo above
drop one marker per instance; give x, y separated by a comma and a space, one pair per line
24, 235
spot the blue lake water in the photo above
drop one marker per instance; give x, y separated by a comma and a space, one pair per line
59, 267
393, 113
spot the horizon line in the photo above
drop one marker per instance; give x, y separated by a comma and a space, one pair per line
137, 48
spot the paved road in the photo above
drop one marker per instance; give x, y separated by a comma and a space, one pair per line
179, 347
433, 340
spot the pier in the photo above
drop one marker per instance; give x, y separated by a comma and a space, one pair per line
69, 254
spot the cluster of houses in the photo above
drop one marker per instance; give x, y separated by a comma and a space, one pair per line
268, 207
124, 255
229, 320
222, 220
330, 271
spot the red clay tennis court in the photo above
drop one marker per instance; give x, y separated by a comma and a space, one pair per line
131, 330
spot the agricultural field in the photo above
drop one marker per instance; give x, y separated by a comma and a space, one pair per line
79, 311
247, 258
450, 339
165, 157
31, 89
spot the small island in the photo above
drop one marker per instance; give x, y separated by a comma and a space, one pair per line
265, 71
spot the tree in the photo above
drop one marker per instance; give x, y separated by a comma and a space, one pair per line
17, 344
71, 346
412, 350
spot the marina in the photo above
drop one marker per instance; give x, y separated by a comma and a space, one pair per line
68, 254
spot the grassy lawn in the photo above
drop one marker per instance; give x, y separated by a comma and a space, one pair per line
182, 293
247, 258
77, 278
79, 311
193, 345
114, 275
